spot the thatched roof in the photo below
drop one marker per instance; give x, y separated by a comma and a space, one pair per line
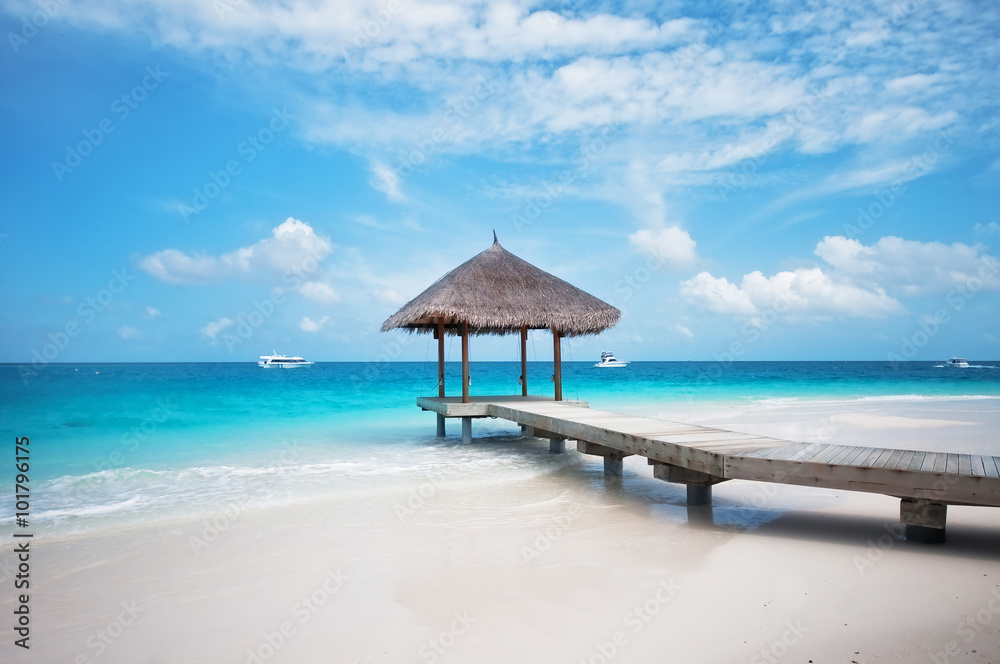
496, 293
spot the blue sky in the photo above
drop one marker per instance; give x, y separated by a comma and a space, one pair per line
195, 180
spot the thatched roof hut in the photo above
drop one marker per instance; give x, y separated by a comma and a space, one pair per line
495, 292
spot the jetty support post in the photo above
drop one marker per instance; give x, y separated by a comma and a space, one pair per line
557, 362
524, 360
614, 465
699, 485
924, 520
466, 430
465, 362
439, 335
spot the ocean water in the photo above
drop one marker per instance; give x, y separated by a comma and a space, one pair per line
119, 445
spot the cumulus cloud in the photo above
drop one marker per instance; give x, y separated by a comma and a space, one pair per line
319, 292
309, 325
129, 333
389, 296
292, 247
806, 291
386, 180
915, 268
212, 330
671, 244
151, 313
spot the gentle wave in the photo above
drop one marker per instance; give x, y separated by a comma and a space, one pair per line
123, 497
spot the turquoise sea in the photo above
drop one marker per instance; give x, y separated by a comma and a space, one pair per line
117, 445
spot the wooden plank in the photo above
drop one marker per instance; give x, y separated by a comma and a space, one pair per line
917, 461
872, 457
978, 466
882, 459
940, 462
965, 464
828, 455
992, 465
952, 467
904, 461
820, 451
893, 459
859, 456
846, 451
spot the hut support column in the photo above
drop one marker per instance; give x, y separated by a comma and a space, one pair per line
557, 362
439, 333
465, 365
524, 360
466, 430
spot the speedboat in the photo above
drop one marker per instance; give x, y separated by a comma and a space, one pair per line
609, 360
282, 361
959, 362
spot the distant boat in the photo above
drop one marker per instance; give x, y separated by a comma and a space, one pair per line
608, 360
958, 362
282, 361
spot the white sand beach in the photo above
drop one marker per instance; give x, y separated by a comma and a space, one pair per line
567, 567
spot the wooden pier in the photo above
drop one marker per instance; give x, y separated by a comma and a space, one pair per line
700, 457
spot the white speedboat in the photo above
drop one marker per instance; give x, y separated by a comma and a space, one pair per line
282, 361
959, 362
609, 360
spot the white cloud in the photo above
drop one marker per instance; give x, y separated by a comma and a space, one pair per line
803, 292
319, 292
681, 330
386, 180
717, 294
212, 330
916, 268
389, 296
151, 312
129, 333
671, 244
987, 229
293, 247
309, 325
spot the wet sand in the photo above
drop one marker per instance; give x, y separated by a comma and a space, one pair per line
566, 567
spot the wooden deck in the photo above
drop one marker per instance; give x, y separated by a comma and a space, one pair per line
701, 456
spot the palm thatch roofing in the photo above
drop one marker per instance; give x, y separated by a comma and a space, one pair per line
496, 292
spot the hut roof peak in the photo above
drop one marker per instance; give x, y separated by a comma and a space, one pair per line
496, 292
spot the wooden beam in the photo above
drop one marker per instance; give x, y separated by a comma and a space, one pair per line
465, 362
524, 360
557, 361
440, 337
